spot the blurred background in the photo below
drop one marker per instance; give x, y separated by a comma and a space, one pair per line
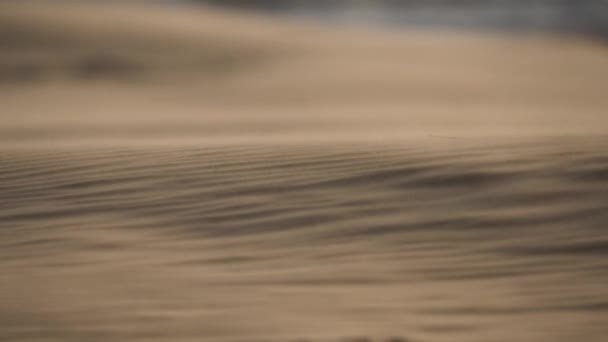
291, 68
556, 16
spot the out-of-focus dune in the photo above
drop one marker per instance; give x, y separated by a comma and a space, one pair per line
93, 73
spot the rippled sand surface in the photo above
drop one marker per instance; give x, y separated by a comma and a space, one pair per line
180, 175
505, 242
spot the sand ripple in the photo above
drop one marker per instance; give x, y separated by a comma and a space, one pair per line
269, 243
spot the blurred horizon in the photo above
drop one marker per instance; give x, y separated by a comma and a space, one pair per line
211, 71
584, 17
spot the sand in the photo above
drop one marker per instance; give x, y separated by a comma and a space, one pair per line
180, 174
113, 73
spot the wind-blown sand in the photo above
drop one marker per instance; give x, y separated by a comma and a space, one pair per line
172, 174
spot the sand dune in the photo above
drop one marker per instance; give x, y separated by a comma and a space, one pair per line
180, 174
97, 72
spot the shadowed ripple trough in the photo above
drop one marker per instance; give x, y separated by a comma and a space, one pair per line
506, 242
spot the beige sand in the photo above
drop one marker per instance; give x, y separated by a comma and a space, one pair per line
94, 73
232, 178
